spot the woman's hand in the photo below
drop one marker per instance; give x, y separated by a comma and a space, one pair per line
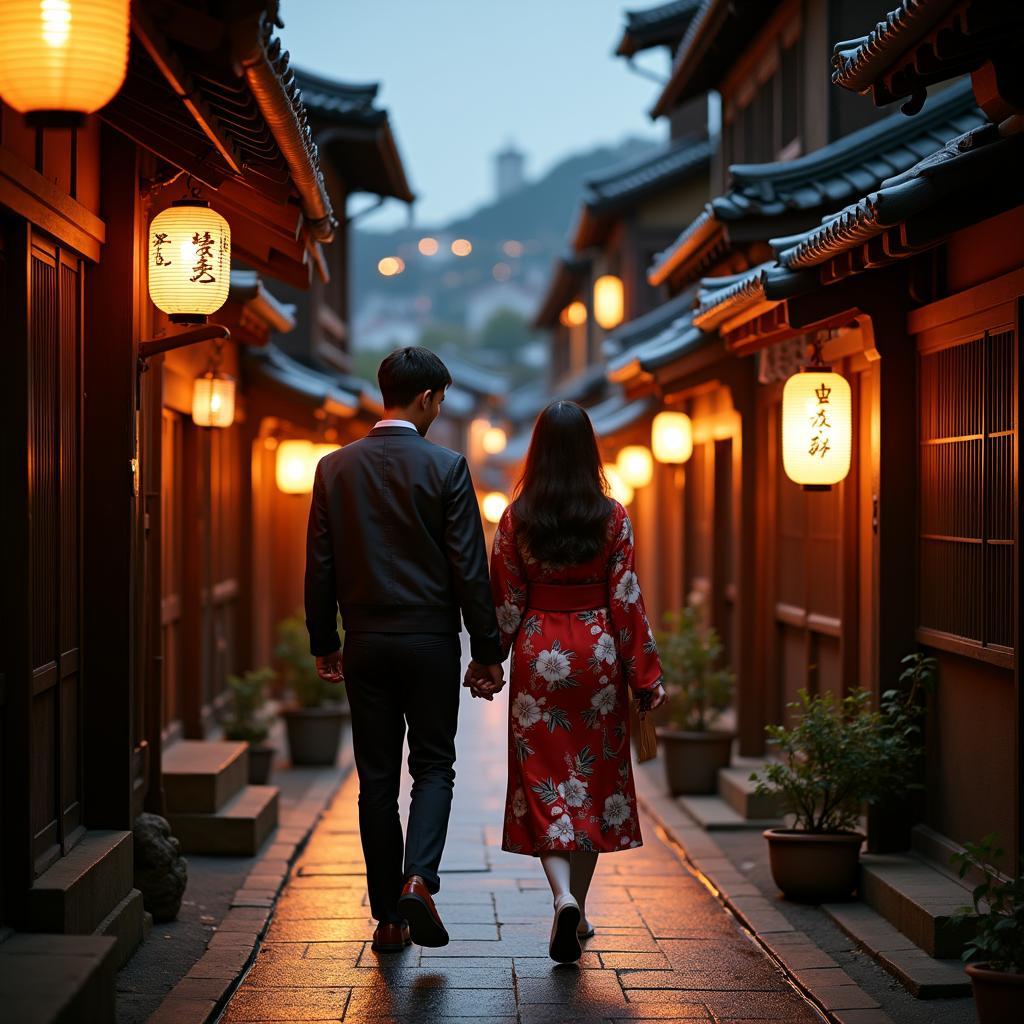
651, 699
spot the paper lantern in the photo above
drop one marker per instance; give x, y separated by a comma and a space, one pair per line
189, 261
294, 467
816, 428
617, 487
213, 400
494, 505
608, 301
672, 438
319, 451
635, 465
62, 59
574, 315
494, 440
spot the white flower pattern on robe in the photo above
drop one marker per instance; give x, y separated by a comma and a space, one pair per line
570, 781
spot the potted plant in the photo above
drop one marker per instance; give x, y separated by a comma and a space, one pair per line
995, 955
837, 756
698, 693
246, 720
315, 720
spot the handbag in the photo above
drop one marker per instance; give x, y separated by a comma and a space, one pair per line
647, 738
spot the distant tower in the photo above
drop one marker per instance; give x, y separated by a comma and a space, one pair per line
509, 170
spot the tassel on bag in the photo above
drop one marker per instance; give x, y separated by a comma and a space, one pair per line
647, 738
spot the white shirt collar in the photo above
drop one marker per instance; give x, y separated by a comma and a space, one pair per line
395, 423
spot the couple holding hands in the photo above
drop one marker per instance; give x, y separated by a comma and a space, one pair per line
395, 542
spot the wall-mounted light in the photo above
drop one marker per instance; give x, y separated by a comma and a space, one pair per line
494, 440
672, 438
635, 465
292, 467
62, 59
574, 315
608, 301
817, 426
617, 487
189, 261
494, 505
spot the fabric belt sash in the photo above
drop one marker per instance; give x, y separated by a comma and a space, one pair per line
567, 597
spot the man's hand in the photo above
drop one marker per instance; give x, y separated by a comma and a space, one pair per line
484, 680
328, 667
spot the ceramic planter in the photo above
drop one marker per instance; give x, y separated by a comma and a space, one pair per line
693, 759
998, 995
314, 734
814, 867
261, 760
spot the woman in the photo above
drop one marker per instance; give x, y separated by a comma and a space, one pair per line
570, 611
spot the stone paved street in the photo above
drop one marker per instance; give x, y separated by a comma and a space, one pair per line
665, 948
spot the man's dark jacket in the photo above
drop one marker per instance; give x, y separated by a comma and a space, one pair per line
395, 541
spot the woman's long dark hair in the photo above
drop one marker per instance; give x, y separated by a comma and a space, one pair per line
561, 510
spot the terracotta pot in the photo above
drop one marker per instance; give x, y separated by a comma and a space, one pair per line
314, 734
693, 759
814, 867
998, 995
261, 760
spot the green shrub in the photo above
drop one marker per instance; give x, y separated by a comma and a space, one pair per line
999, 904
247, 695
698, 690
837, 756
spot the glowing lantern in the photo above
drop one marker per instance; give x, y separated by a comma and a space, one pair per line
494, 505
816, 428
462, 247
617, 487
672, 437
62, 59
294, 467
635, 465
494, 440
608, 301
189, 261
390, 265
213, 400
574, 315
427, 246
319, 451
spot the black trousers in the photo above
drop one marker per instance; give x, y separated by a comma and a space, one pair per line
396, 680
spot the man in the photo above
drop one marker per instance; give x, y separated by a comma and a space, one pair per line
395, 540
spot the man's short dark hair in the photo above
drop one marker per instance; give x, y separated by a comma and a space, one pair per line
408, 372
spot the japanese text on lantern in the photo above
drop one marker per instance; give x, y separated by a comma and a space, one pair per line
820, 426
160, 239
202, 271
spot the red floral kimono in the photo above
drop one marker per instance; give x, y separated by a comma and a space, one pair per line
570, 783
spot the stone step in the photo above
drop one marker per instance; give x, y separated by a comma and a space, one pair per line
237, 829
736, 789
127, 923
713, 814
201, 776
918, 900
925, 977
81, 889
58, 979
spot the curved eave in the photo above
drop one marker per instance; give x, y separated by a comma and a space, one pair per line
701, 235
300, 383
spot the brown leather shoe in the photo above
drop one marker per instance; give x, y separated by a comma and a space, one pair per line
389, 937
417, 906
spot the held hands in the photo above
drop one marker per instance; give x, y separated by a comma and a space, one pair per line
484, 680
328, 667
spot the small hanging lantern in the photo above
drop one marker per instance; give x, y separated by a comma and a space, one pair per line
574, 315
213, 395
494, 505
608, 301
294, 467
189, 261
635, 465
816, 426
617, 487
62, 59
672, 438
494, 440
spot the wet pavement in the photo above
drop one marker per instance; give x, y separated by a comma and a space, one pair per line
665, 948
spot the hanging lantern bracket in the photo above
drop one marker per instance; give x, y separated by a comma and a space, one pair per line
154, 346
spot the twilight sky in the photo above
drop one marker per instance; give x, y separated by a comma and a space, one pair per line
461, 78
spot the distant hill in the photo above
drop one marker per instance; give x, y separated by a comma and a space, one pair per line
442, 288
